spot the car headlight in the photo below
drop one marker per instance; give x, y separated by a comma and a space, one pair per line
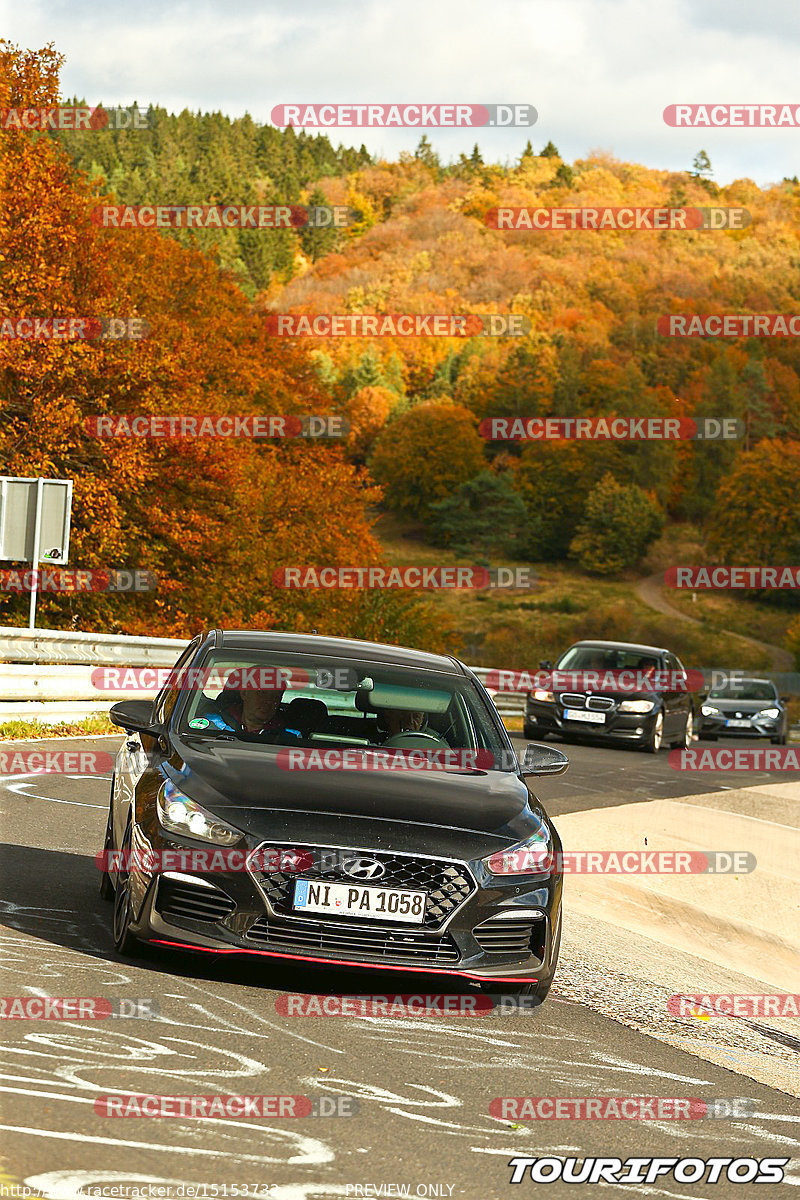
637, 706
770, 712
540, 694
533, 856
178, 814
708, 710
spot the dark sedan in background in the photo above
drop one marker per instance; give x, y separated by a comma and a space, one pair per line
652, 709
453, 871
744, 708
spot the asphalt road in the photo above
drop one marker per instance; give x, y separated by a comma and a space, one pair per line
424, 1084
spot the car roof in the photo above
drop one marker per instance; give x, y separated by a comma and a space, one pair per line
621, 646
309, 643
749, 679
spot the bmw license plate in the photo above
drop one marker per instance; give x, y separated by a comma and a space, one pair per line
735, 723
355, 900
583, 714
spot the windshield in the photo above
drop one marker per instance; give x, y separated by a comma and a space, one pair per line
276, 700
601, 658
744, 689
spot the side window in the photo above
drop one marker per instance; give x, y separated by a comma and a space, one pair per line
168, 697
675, 664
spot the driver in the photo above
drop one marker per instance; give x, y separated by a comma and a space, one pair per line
250, 711
398, 720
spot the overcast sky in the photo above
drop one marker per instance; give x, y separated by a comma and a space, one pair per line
599, 72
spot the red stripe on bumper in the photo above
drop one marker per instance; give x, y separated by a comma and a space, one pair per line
345, 962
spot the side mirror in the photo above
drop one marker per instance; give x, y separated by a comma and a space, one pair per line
543, 760
136, 716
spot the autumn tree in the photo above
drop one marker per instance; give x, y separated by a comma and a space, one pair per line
484, 516
754, 520
618, 524
213, 519
425, 454
367, 411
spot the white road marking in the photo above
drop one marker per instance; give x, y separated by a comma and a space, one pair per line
326, 1154
18, 789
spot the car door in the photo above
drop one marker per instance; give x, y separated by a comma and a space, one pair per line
133, 758
677, 702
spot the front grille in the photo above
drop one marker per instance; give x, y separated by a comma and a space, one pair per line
197, 903
595, 703
353, 942
505, 937
447, 884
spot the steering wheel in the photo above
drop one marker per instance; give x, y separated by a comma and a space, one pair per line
414, 738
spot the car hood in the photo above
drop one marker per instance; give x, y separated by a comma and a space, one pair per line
242, 784
746, 707
615, 694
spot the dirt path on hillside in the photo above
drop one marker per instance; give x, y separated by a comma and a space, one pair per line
649, 590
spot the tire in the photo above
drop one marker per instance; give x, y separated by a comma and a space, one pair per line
779, 741
106, 886
709, 737
534, 733
125, 942
655, 738
685, 740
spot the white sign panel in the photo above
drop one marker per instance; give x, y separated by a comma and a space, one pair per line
26, 504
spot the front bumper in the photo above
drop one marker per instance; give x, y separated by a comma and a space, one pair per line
759, 727
235, 913
547, 717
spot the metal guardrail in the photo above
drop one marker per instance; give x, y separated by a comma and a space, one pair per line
69, 646
46, 671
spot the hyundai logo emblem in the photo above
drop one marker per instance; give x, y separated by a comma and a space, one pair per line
363, 868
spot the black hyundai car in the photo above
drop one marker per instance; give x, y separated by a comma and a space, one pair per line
624, 693
744, 708
317, 846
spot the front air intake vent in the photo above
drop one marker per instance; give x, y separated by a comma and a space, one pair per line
192, 901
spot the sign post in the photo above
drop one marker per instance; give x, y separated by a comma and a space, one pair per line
35, 516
